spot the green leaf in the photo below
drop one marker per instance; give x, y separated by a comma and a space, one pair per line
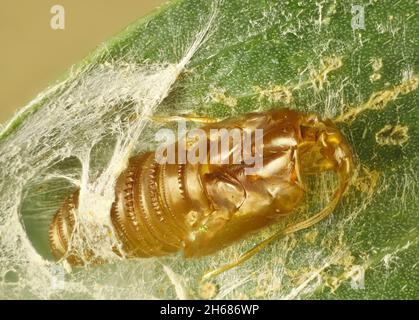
222, 59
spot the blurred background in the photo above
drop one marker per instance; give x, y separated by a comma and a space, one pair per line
33, 55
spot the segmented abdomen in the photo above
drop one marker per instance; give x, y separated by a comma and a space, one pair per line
151, 212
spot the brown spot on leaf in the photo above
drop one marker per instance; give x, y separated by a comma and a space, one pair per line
392, 135
208, 290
